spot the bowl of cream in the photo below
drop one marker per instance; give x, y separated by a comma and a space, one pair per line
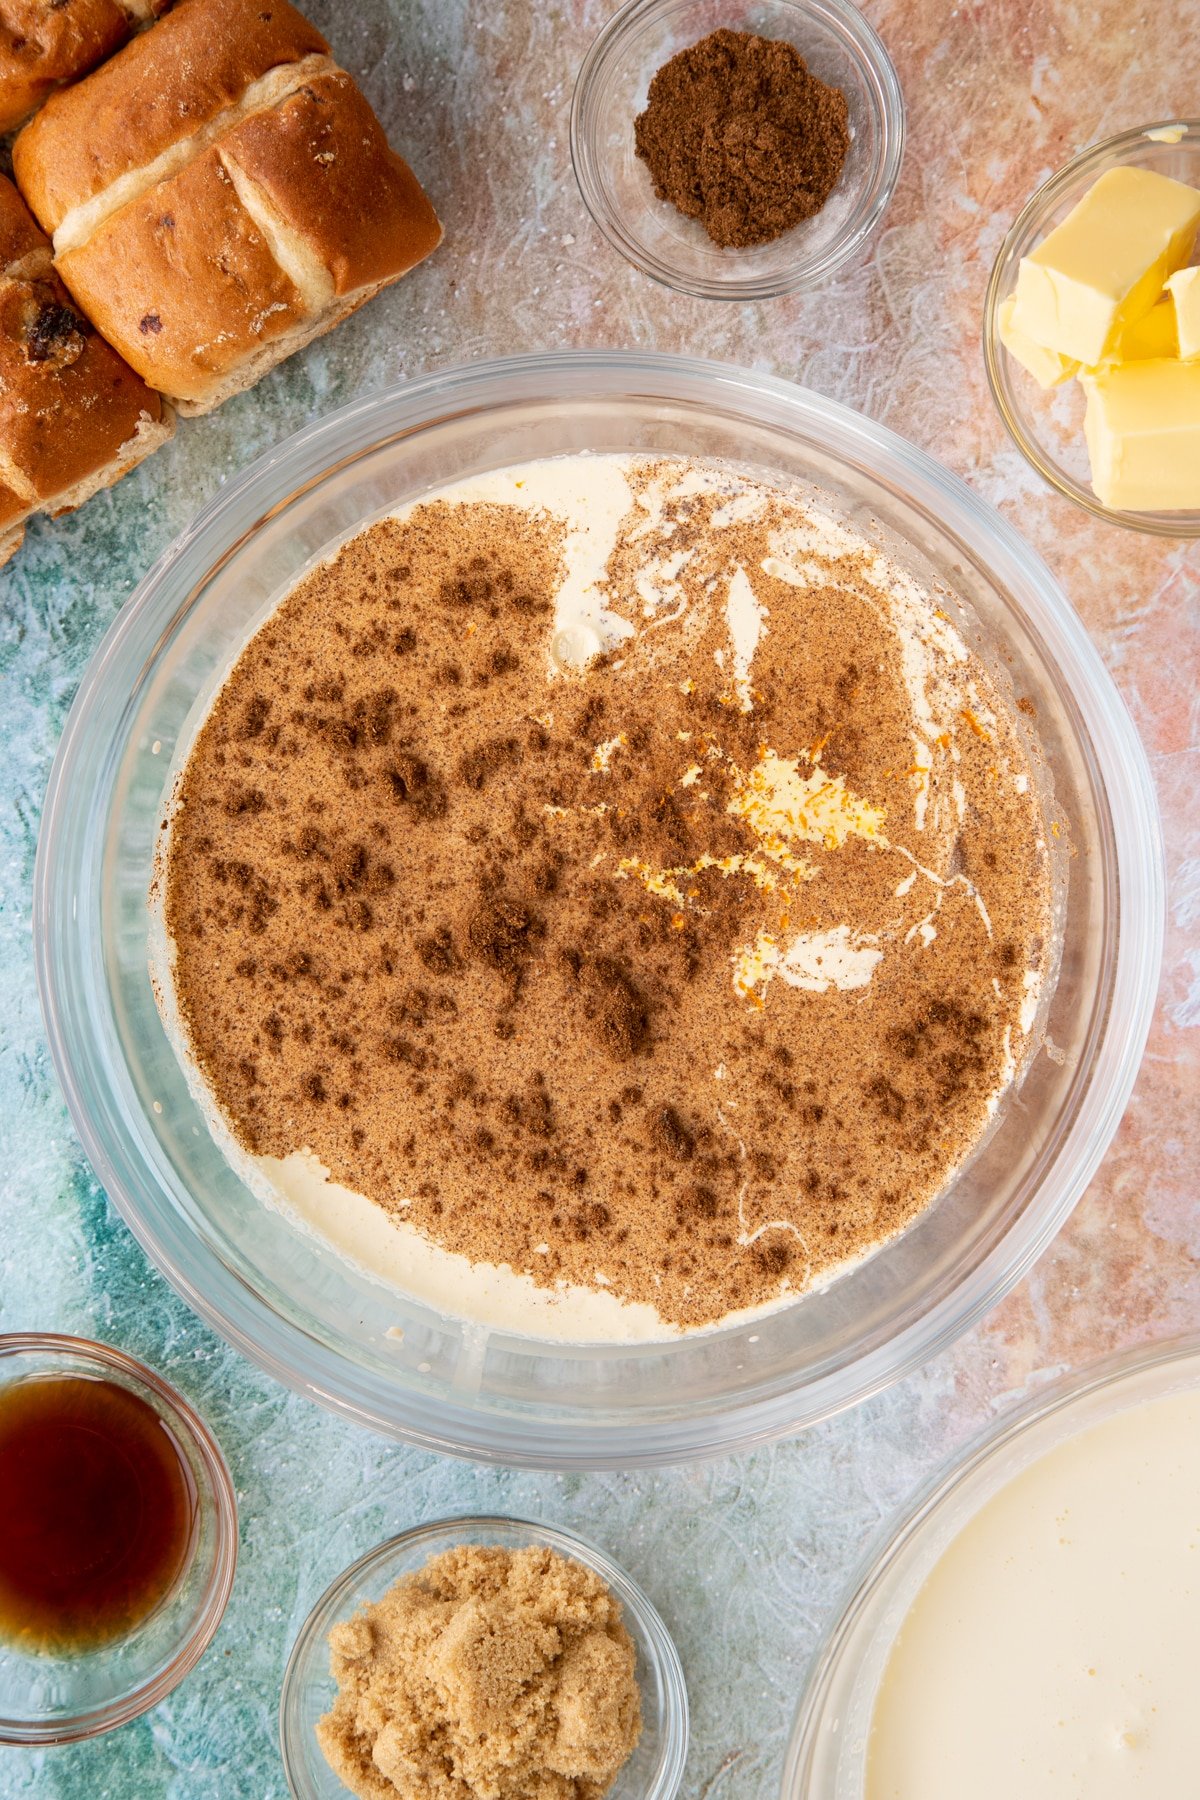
1032, 1624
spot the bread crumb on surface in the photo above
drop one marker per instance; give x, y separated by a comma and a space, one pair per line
490, 1674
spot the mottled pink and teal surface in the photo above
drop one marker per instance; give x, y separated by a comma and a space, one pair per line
745, 1558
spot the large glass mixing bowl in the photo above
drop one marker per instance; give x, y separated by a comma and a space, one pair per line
314, 1320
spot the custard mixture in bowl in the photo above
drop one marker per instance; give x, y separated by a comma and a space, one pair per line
623, 876
654, 909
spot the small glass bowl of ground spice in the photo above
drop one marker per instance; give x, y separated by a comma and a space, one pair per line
484, 1656
737, 151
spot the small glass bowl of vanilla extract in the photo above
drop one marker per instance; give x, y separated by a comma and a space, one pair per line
118, 1538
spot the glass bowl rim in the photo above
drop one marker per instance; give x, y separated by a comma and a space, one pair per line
91, 1721
263, 490
1029, 222
879, 74
1058, 1396
633, 1597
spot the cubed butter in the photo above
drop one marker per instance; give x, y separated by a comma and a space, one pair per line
1106, 264
1047, 367
1143, 435
1153, 335
1184, 287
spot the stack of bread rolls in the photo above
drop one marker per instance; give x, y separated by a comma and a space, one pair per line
216, 194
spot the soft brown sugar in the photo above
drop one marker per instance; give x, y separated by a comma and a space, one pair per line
491, 1674
469, 934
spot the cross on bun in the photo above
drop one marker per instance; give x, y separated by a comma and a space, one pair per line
220, 193
46, 43
73, 417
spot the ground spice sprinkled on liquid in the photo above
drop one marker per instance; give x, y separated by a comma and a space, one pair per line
691, 974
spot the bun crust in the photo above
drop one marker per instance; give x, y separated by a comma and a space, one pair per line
42, 47
322, 161
73, 416
20, 237
182, 281
161, 89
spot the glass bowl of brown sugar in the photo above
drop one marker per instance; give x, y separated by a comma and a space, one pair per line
742, 153
654, 1768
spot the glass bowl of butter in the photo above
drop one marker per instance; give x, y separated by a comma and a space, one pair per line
1091, 330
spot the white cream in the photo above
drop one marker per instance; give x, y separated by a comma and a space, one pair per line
488, 1293
1052, 1653
813, 960
745, 618
590, 495
602, 755
1030, 999
491, 1295
658, 587
386, 1248
924, 928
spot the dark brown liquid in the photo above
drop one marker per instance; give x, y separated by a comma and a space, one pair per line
97, 1511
